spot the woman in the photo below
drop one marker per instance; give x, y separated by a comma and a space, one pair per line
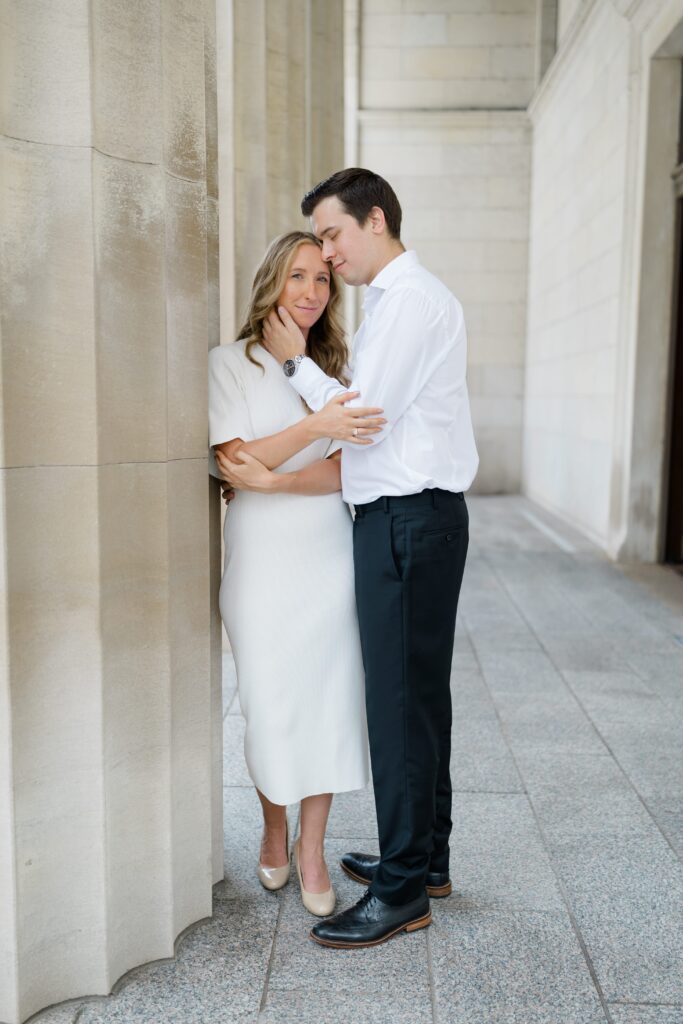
287, 595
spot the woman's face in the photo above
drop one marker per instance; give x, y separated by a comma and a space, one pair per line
307, 288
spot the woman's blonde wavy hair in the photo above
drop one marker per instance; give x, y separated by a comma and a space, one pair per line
326, 344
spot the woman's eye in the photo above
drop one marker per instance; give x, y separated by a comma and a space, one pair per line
297, 275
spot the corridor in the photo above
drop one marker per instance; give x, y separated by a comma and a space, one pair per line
568, 824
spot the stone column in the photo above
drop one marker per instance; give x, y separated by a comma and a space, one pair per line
288, 120
108, 293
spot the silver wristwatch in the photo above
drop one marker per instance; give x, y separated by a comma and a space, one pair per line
290, 366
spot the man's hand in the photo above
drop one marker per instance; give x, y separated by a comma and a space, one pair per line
247, 474
282, 337
227, 493
337, 421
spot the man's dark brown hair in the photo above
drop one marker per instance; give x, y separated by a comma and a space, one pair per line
358, 191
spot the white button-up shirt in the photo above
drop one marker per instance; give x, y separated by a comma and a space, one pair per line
409, 358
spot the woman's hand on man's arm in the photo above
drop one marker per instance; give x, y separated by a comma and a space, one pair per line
341, 422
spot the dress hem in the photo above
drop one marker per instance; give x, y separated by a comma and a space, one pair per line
316, 792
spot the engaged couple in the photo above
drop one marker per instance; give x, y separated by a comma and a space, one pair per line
342, 629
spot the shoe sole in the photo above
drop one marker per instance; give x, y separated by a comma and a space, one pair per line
435, 892
410, 926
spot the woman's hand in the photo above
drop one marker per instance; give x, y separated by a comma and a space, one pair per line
282, 337
247, 474
337, 421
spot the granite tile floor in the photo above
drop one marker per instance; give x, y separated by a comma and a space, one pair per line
568, 824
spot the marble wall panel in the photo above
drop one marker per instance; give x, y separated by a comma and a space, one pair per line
46, 305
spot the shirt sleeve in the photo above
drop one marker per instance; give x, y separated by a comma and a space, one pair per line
314, 386
406, 342
228, 411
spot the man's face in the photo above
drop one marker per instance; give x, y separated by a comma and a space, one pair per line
349, 248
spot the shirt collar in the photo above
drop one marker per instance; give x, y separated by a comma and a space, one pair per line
387, 276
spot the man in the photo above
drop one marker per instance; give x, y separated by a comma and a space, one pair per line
410, 538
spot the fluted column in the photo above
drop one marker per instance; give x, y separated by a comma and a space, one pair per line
288, 119
108, 671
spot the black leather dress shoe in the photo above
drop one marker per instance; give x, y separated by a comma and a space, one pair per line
362, 866
371, 921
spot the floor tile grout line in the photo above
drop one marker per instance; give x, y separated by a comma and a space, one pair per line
430, 972
586, 714
628, 778
628, 665
551, 860
271, 958
626, 1002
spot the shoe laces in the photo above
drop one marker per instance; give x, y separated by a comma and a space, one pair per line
364, 900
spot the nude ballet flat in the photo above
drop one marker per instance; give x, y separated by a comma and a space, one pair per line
275, 878
319, 903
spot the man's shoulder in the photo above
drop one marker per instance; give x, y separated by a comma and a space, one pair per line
422, 285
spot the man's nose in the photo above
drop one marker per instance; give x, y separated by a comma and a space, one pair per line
328, 250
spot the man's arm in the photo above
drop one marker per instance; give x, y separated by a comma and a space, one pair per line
406, 342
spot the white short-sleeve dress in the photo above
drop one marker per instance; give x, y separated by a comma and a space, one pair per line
287, 601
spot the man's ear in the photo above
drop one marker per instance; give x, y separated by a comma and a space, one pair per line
377, 220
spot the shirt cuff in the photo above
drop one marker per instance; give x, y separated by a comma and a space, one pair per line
308, 380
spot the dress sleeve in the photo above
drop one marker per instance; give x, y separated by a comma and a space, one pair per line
228, 410
334, 446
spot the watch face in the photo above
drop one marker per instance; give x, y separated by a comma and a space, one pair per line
289, 366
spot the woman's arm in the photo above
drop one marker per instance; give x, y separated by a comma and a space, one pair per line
275, 449
248, 474
336, 420
322, 477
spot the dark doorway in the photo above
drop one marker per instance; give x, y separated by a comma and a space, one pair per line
673, 551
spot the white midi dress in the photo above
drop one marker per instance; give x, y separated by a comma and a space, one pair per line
287, 601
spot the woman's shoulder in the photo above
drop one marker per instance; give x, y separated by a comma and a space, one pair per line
232, 355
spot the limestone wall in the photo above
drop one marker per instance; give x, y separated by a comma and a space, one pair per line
443, 88
108, 308
463, 181
444, 54
579, 180
287, 118
600, 249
